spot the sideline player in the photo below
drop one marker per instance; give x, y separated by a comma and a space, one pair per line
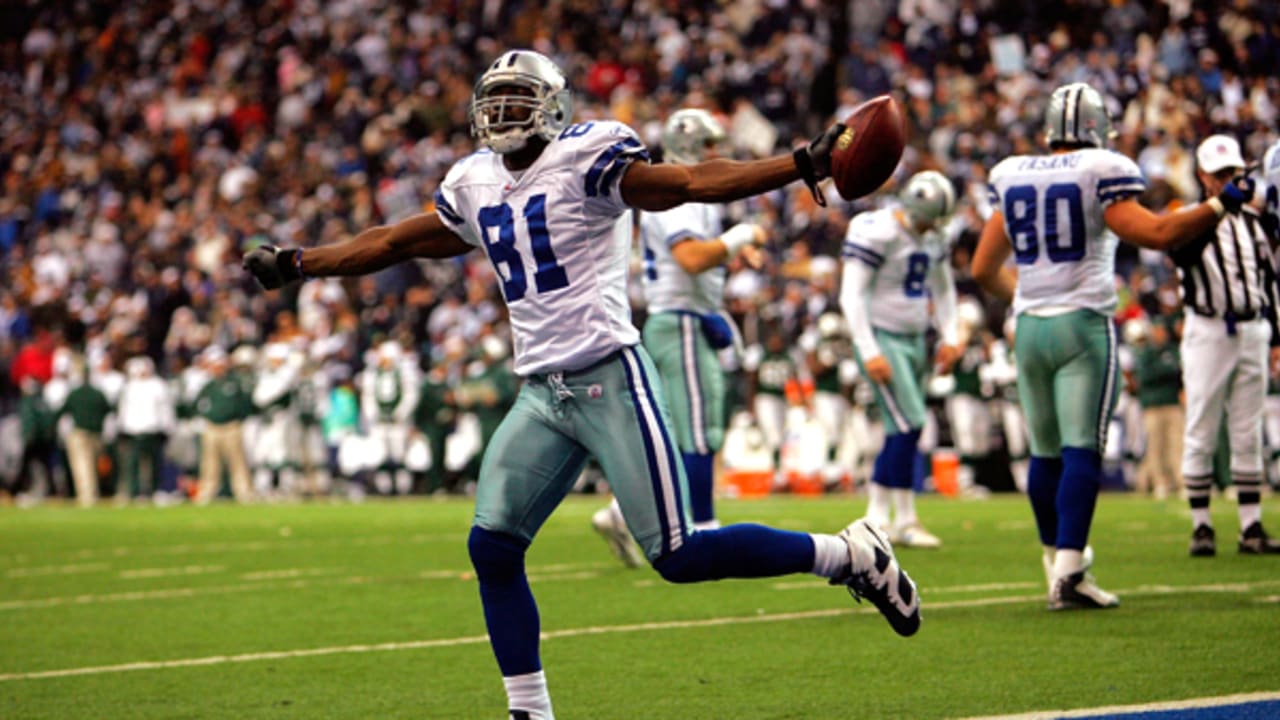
895, 262
541, 200
685, 254
1053, 212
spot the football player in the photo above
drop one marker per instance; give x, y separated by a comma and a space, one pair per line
1053, 213
541, 200
895, 262
685, 254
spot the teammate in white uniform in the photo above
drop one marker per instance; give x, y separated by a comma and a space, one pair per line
685, 252
895, 263
541, 201
1056, 214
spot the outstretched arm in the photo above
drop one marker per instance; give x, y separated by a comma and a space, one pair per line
420, 236
664, 186
1137, 225
667, 185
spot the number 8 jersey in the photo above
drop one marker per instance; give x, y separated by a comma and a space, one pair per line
549, 233
1053, 207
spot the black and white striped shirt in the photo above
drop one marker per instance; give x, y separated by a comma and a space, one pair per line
1228, 271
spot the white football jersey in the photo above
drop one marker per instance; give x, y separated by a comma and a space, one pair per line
901, 264
666, 285
1053, 207
549, 235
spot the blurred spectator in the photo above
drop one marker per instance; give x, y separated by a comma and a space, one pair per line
146, 411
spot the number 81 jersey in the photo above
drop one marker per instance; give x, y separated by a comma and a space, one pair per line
549, 234
1053, 207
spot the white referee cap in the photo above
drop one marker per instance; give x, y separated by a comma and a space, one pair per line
1218, 152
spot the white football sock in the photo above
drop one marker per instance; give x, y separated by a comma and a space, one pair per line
1200, 516
904, 506
830, 555
1067, 561
1250, 514
878, 505
529, 693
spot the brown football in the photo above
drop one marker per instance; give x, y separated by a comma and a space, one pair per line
867, 152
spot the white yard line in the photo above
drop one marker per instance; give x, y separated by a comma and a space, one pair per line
586, 631
261, 581
45, 570
148, 573
1194, 703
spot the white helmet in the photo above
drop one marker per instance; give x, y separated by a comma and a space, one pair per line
686, 135
929, 198
522, 94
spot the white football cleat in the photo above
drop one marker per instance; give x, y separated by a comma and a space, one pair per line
915, 536
1079, 590
875, 574
1046, 559
613, 529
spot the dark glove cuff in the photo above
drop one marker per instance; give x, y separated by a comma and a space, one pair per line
808, 173
289, 265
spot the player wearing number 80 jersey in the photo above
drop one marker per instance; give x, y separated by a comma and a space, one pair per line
1055, 213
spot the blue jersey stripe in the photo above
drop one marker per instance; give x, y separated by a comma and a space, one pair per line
1121, 181
597, 181
619, 164
850, 246
444, 208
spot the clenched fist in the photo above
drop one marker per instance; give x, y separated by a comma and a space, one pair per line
272, 267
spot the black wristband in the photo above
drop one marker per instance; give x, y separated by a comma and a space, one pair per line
809, 174
288, 265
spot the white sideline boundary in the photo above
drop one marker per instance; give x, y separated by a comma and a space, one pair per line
595, 630
1192, 704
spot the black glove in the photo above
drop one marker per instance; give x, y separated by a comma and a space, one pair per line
814, 160
272, 267
1236, 193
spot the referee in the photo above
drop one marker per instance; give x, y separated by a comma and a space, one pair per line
1227, 286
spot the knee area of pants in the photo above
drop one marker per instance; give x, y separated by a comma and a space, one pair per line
495, 556
679, 567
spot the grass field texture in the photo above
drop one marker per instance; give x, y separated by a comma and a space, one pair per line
370, 611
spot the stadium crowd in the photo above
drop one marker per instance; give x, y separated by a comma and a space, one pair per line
146, 145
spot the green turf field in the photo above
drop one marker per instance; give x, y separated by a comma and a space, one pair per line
369, 611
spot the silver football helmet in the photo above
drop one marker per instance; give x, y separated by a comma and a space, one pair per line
929, 199
521, 95
1077, 115
686, 135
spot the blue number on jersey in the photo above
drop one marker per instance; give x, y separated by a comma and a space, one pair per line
1020, 210
650, 263
576, 130
917, 270
549, 275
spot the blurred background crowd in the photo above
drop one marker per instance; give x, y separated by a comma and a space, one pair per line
144, 146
